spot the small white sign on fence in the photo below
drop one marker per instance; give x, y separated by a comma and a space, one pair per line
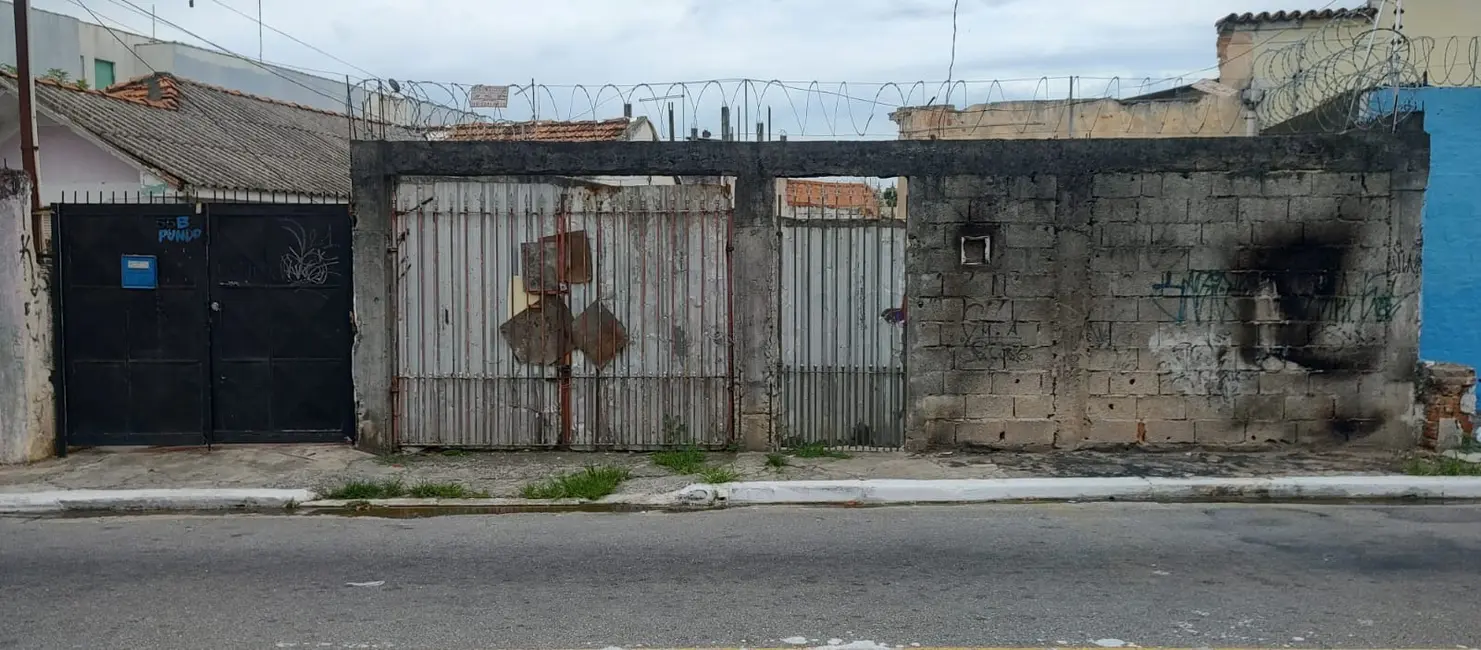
482, 96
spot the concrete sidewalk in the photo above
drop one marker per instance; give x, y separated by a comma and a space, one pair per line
275, 476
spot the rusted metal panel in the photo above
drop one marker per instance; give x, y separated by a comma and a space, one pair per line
647, 360
599, 334
842, 324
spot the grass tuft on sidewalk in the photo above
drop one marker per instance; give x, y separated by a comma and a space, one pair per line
1441, 466
445, 491
591, 483
681, 461
359, 490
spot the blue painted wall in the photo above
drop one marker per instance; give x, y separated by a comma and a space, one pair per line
1450, 327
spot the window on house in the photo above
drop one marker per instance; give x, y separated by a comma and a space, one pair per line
102, 73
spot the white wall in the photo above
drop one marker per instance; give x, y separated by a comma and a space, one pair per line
72, 166
28, 426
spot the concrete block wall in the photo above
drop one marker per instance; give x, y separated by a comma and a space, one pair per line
1220, 308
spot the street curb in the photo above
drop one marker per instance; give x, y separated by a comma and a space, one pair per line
414, 507
896, 492
179, 500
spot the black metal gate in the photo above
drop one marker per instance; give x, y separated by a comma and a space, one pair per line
187, 324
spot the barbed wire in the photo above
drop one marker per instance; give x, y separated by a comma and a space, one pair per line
1310, 77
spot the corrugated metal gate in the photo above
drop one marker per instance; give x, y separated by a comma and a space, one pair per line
842, 323
562, 314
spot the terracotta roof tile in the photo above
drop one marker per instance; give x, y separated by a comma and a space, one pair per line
207, 136
540, 131
827, 194
1361, 13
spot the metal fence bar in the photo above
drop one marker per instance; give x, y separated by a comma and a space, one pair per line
513, 299
842, 329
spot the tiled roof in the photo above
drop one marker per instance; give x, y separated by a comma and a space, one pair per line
207, 136
826, 194
1361, 13
542, 131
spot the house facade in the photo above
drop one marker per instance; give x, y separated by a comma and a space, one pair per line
100, 56
165, 135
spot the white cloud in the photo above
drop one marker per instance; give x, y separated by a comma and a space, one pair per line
594, 42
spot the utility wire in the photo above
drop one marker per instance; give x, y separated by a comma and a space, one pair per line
291, 37
202, 106
269, 69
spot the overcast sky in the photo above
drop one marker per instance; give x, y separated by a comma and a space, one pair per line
626, 42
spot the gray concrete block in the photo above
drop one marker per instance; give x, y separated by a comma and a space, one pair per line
1108, 211
1283, 383
1019, 383
1218, 432
928, 335
1111, 408
1116, 186
1162, 210
938, 309
988, 309
1261, 408
1033, 407
1132, 335
1135, 384
1187, 185
1038, 186
1296, 183
970, 187
1181, 234
1120, 432
1270, 432
1208, 408
1113, 260
1235, 185
1098, 383
1213, 210
1310, 407
1314, 208
1264, 209
1111, 359
1033, 310
1167, 432
1022, 235
1106, 309
941, 407
1161, 408
925, 285
1026, 285
1124, 235
990, 407
970, 383
1227, 234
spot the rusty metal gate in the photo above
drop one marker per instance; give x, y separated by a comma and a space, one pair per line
560, 313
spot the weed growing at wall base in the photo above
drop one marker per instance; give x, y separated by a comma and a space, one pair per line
683, 461
1441, 467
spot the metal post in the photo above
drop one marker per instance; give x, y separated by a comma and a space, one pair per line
259, 30
27, 84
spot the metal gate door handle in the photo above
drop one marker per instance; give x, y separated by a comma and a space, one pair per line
215, 306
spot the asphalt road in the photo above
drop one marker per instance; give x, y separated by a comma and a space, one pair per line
1015, 575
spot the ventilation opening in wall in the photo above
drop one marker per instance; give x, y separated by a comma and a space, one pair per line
843, 311
976, 250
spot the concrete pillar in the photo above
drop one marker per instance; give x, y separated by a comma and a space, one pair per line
373, 356
27, 399
755, 280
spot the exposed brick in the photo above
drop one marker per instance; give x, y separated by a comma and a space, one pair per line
1309, 407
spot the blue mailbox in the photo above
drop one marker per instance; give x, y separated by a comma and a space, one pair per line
139, 272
